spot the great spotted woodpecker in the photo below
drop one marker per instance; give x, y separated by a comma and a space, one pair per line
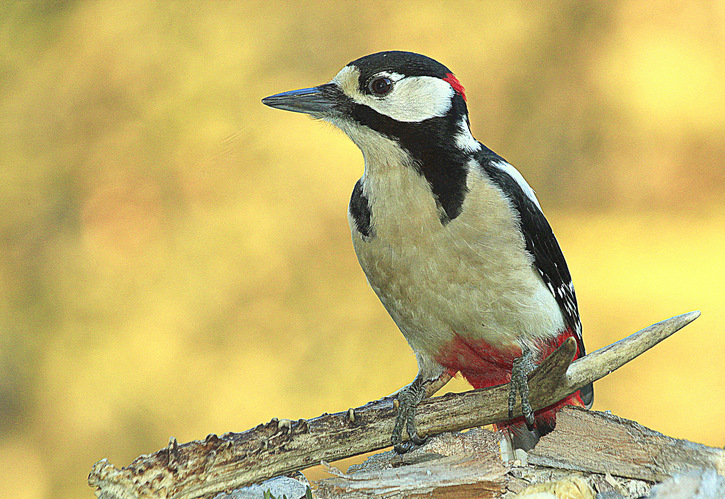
450, 236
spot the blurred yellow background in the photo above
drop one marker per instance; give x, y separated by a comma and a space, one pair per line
176, 258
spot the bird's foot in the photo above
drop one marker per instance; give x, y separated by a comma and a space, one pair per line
520, 370
407, 400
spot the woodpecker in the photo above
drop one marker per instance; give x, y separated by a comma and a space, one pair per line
450, 236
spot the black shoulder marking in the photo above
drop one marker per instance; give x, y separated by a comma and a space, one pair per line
540, 243
428, 142
360, 210
447, 179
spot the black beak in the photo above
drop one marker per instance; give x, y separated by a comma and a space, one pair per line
317, 101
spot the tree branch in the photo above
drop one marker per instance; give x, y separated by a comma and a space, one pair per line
217, 464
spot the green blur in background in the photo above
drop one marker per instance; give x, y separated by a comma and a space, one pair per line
175, 257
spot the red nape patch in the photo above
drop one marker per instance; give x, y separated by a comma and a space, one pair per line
453, 81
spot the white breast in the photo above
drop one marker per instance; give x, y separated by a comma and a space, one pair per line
471, 277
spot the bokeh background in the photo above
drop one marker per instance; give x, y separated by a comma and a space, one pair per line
175, 257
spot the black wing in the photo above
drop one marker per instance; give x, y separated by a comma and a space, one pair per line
542, 244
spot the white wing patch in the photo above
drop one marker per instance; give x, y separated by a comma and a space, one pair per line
412, 99
464, 138
516, 175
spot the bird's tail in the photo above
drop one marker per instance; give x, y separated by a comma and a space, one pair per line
526, 438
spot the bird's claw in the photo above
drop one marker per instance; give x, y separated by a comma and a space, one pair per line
418, 440
522, 366
408, 399
415, 441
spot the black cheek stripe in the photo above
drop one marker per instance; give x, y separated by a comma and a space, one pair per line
428, 143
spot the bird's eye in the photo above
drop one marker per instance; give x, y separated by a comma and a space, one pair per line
381, 85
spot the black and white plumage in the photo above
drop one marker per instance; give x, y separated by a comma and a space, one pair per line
451, 237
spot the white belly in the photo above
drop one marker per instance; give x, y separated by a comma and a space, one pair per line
471, 277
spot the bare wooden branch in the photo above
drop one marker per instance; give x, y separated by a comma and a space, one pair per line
217, 464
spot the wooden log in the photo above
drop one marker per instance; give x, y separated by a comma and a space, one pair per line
597, 442
585, 444
223, 463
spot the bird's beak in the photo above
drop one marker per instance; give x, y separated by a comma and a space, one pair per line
317, 101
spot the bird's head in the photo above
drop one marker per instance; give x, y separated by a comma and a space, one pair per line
404, 111
408, 98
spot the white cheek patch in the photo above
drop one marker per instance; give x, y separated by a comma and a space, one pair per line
413, 99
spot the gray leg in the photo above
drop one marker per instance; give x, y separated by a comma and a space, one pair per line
520, 385
407, 400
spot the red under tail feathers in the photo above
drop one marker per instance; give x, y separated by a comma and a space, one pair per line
483, 365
